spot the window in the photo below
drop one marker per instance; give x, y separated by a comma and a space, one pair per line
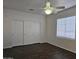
66, 27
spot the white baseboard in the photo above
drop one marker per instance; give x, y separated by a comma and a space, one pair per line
7, 47
63, 48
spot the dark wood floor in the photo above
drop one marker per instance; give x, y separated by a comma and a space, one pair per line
38, 51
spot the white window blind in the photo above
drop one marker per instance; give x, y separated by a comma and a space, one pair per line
66, 27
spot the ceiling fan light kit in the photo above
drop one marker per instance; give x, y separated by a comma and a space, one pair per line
48, 9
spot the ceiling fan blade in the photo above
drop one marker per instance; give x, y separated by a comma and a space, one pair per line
62, 7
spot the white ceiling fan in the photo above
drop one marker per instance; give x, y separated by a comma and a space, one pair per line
49, 8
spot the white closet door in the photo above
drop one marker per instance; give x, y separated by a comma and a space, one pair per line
31, 32
17, 33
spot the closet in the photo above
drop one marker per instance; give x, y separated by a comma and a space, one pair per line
25, 32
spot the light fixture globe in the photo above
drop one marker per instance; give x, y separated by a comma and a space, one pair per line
48, 11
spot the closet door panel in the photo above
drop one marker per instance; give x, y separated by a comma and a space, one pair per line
17, 33
31, 32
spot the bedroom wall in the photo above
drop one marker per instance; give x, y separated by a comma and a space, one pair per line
65, 43
6, 30
14, 15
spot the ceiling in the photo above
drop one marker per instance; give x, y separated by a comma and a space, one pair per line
35, 5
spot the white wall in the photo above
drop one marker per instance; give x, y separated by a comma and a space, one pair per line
11, 15
51, 30
6, 30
